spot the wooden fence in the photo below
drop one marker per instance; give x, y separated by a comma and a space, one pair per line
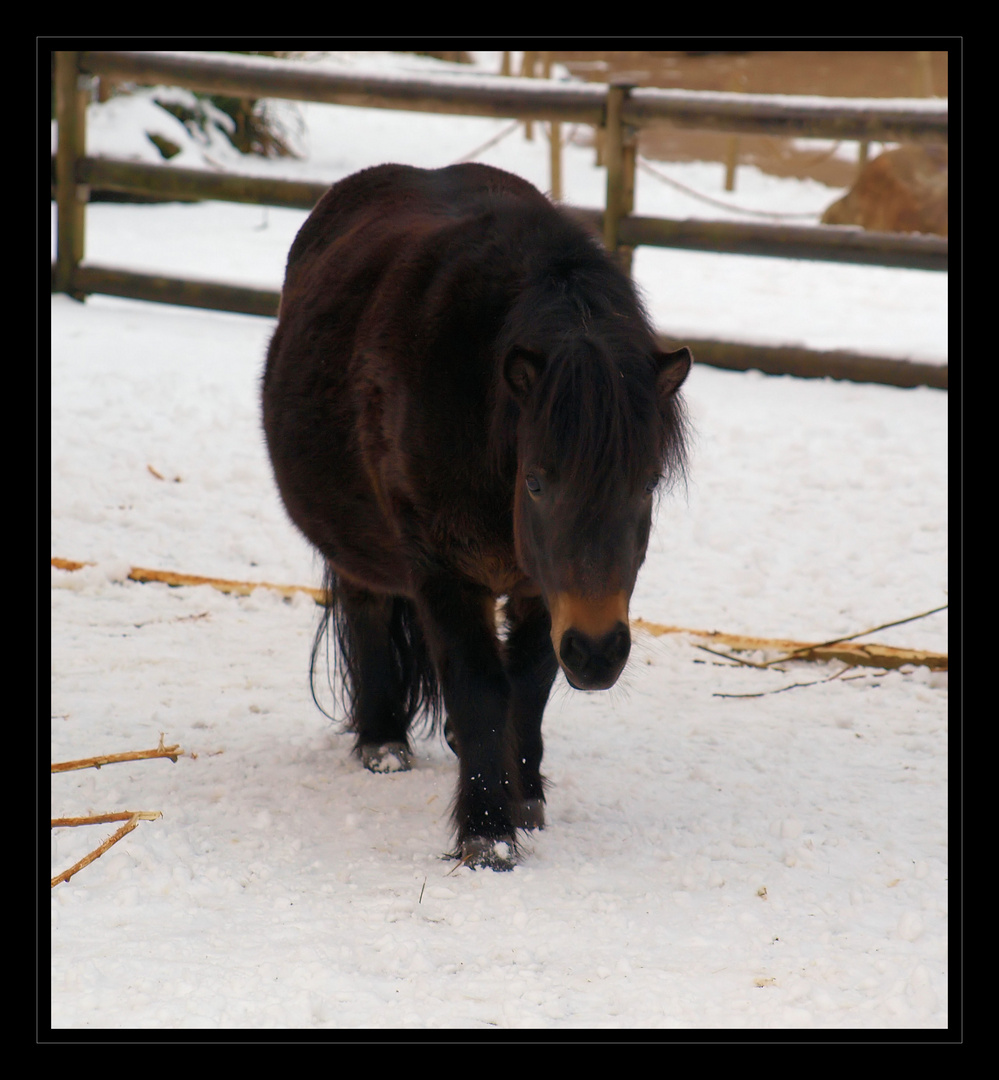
618, 110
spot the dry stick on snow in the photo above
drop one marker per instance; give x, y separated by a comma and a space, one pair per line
171, 752
737, 659
793, 686
131, 819
803, 650
860, 633
868, 654
169, 577
103, 819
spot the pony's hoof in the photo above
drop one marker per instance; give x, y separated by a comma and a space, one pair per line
529, 814
386, 757
483, 852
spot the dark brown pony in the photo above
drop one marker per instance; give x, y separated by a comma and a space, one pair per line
463, 401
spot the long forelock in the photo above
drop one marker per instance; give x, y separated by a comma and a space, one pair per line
594, 410
596, 420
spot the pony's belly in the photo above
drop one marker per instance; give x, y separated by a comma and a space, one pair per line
366, 551
375, 575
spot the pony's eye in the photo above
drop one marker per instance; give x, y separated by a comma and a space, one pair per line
533, 484
652, 485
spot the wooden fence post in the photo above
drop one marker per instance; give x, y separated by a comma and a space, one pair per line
554, 140
619, 154
71, 118
630, 156
924, 75
527, 66
555, 159
737, 81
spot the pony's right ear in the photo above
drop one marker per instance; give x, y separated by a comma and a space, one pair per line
674, 367
521, 367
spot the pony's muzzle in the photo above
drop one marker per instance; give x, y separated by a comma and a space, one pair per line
591, 638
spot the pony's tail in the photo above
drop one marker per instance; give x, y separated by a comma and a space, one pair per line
335, 666
420, 690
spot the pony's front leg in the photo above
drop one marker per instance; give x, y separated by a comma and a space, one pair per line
459, 622
531, 667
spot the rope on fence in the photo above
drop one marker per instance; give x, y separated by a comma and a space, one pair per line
508, 130
646, 166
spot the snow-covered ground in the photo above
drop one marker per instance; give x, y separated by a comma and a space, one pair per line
776, 861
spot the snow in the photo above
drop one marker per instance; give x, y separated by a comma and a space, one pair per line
773, 861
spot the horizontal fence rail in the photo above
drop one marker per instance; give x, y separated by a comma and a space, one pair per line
887, 120
187, 292
829, 243
618, 110
257, 76
825, 243
810, 363
164, 182
792, 117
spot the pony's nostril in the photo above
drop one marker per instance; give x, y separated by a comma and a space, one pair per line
594, 663
618, 645
575, 650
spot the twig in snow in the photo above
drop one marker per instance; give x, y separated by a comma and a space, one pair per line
171, 752
131, 819
491, 142
735, 659
860, 633
160, 476
792, 686
805, 649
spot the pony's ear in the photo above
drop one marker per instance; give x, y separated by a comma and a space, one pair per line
673, 369
520, 369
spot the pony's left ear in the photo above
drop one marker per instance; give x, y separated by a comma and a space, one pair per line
673, 369
521, 368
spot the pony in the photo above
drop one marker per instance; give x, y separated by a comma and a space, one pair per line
465, 405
